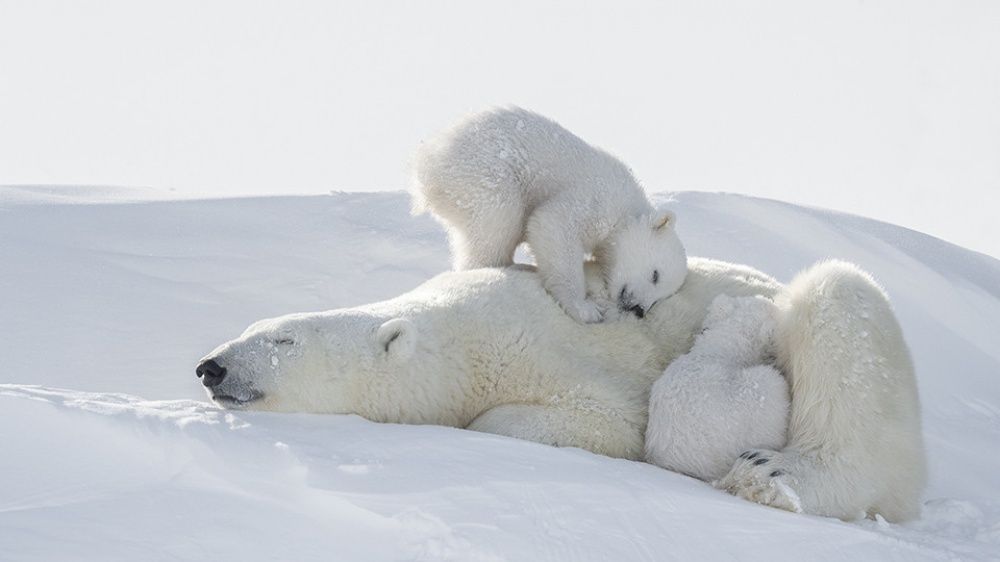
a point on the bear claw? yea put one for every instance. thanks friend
(748, 479)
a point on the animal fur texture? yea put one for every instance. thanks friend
(723, 396)
(505, 176)
(489, 350)
(855, 445)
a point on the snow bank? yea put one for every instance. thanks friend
(118, 297)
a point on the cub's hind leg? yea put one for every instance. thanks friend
(488, 237)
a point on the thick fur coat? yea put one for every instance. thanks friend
(507, 175)
(722, 397)
(489, 350)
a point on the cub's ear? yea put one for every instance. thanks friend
(664, 221)
(397, 338)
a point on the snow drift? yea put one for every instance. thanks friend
(110, 451)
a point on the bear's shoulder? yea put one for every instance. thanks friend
(674, 321)
(716, 276)
(708, 278)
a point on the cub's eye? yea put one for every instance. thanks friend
(656, 276)
(284, 341)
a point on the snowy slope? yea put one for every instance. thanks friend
(110, 451)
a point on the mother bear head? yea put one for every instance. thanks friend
(317, 362)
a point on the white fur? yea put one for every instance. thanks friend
(855, 446)
(507, 175)
(489, 350)
(721, 398)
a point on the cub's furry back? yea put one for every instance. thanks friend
(507, 175)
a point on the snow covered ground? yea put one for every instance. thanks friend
(111, 452)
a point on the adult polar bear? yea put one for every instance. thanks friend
(491, 351)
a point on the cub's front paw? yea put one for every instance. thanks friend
(763, 477)
(584, 311)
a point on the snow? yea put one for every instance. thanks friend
(111, 451)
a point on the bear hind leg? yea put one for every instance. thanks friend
(854, 440)
(490, 238)
(765, 477)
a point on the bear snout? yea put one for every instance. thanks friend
(210, 373)
(626, 303)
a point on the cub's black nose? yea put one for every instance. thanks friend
(210, 373)
(626, 303)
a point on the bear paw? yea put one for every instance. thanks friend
(763, 477)
(584, 311)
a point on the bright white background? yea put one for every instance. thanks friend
(885, 109)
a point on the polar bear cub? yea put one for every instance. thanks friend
(722, 397)
(507, 175)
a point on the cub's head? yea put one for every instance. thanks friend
(320, 363)
(644, 262)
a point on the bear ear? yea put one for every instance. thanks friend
(664, 221)
(397, 338)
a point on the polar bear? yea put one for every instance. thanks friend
(722, 397)
(855, 445)
(508, 175)
(489, 350)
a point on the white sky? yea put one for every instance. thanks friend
(884, 109)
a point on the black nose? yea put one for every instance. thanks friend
(210, 372)
(626, 303)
